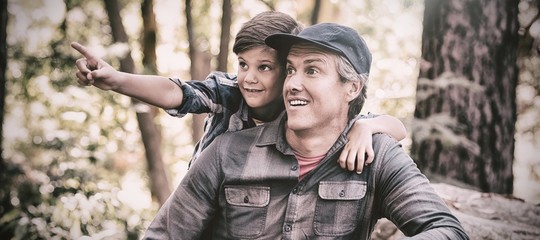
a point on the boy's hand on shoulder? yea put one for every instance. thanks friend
(358, 151)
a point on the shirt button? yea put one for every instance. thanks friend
(294, 168)
(246, 199)
(342, 193)
(295, 190)
(288, 228)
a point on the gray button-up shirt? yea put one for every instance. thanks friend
(245, 186)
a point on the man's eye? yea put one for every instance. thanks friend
(290, 71)
(311, 71)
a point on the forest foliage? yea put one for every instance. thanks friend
(74, 161)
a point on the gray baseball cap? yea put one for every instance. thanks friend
(338, 38)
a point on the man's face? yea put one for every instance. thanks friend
(315, 98)
(259, 79)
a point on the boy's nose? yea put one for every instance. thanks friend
(251, 77)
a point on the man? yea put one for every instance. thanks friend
(280, 180)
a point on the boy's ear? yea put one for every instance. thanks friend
(354, 89)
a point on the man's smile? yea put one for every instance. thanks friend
(298, 102)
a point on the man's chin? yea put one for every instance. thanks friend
(296, 125)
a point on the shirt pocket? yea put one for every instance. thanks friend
(246, 210)
(337, 209)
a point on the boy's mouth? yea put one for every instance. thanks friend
(251, 90)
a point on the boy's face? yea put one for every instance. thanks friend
(259, 80)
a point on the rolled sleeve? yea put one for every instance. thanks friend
(191, 102)
(208, 96)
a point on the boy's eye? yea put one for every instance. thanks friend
(265, 68)
(242, 65)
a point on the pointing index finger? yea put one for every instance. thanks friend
(83, 50)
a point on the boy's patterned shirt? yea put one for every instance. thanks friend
(219, 96)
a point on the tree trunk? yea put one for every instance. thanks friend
(466, 93)
(226, 21)
(316, 12)
(199, 69)
(150, 132)
(149, 37)
(3, 64)
(155, 164)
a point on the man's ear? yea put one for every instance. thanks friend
(354, 89)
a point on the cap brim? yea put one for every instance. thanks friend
(282, 42)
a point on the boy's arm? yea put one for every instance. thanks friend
(219, 91)
(359, 149)
(383, 124)
(154, 90)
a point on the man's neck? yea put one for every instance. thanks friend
(310, 143)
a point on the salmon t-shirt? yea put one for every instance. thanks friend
(306, 164)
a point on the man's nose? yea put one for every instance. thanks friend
(293, 83)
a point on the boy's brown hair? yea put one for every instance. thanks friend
(254, 31)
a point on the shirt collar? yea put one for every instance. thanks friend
(244, 111)
(273, 133)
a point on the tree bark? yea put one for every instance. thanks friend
(466, 93)
(226, 21)
(155, 164)
(150, 131)
(3, 65)
(199, 69)
(316, 12)
(149, 37)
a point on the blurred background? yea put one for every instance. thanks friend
(78, 162)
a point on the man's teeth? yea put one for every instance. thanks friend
(298, 102)
(253, 90)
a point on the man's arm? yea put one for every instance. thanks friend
(407, 199)
(188, 211)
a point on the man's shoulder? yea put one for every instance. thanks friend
(389, 153)
(383, 142)
(235, 143)
(262, 135)
(246, 132)
(383, 138)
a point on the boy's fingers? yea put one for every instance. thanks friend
(360, 158)
(342, 160)
(82, 65)
(351, 157)
(83, 50)
(369, 156)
